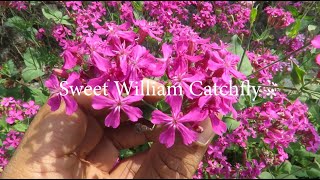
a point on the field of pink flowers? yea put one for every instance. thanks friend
(271, 44)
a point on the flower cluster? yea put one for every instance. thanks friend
(278, 17)
(9, 144)
(233, 17)
(292, 44)
(115, 53)
(260, 60)
(19, 5)
(276, 123)
(16, 110)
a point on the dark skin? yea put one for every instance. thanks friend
(80, 146)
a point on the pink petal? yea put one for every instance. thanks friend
(203, 100)
(131, 99)
(113, 90)
(316, 41)
(195, 115)
(237, 74)
(100, 62)
(318, 59)
(218, 126)
(159, 117)
(71, 104)
(100, 102)
(73, 79)
(69, 60)
(167, 51)
(54, 102)
(188, 136)
(99, 80)
(113, 118)
(138, 51)
(133, 113)
(123, 64)
(168, 137)
(175, 103)
(213, 66)
(196, 77)
(52, 83)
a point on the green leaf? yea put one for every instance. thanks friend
(51, 13)
(286, 176)
(265, 34)
(293, 10)
(3, 124)
(299, 171)
(137, 9)
(28, 74)
(56, 15)
(232, 124)
(246, 67)
(9, 69)
(294, 30)
(16, 22)
(286, 167)
(253, 15)
(33, 68)
(38, 96)
(297, 75)
(313, 173)
(266, 175)
(21, 127)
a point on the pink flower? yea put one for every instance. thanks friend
(143, 64)
(54, 86)
(74, 4)
(180, 77)
(12, 140)
(148, 28)
(176, 122)
(14, 115)
(316, 42)
(18, 5)
(31, 108)
(40, 33)
(6, 101)
(115, 103)
(225, 66)
(318, 59)
(278, 17)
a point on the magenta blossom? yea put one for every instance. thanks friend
(31, 108)
(6, 101)
(14, 115)
(148, 28)
(40, 33)
(225, 66)
(176, 122)
(57, 93)
(316, 42)
(115, 103)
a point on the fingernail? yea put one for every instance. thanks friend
(205, 137)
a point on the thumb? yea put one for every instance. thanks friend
(179, 161)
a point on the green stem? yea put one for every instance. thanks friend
(149, 105)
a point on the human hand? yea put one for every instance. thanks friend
(80, 146)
